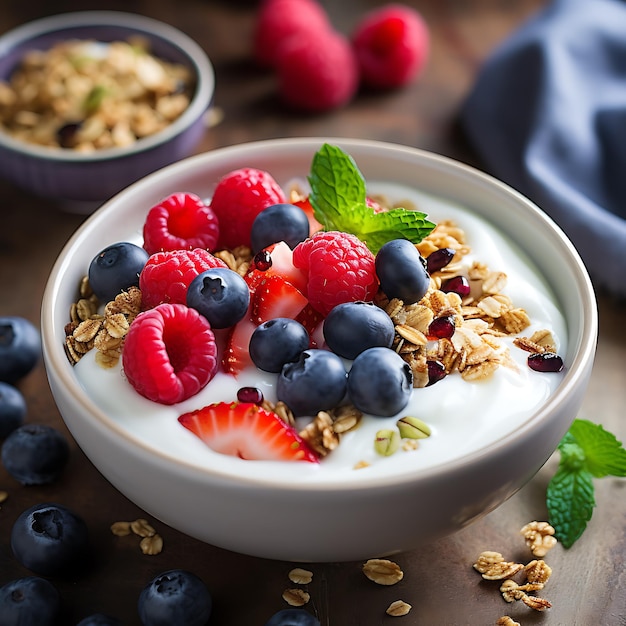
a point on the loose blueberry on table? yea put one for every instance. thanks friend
(50, 540)
(20, 348)
(175, 597)
(35, 454)
(12, 409)
(30, 600)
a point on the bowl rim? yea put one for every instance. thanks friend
(55, 358)
(198, 59)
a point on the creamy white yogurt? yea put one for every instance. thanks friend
(464, 416)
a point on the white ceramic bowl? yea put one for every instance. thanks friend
(346, 520)
(80, 179)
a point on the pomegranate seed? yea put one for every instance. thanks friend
(442, 327)
(439, 259)
(250, 394)
(436, 372)
(545, 362)
(457, 284)
(262, 260)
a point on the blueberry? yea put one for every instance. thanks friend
(175, 597)
(29, 600)
(402, 271)
(315, 382)
(20, 348)
(352, 327)
(99, 619)
(50, 540)
(380, 382)
(279, 222)
(35, 454)
(116, 269)
(292, 617)
(220, 295)
(12, 409)
(276, 342)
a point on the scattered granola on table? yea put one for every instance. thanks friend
(493, 566)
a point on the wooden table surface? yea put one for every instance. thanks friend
(587, 586)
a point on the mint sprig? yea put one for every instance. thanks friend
(587, 451)
(339, 200)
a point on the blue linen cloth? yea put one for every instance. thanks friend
(547, 115)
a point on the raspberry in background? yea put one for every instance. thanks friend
(317, 72)
(339, 268)
(278, 20)
(169, 353)
(182, 221)
(166, 276)
(238, 198)
(391, 44)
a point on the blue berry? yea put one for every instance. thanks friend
(401, 271)
(99, 619)
(12, 409)
(175, 597)
(29, 600)
(116, 269)
(279, 222)
(276, 342)
(315, 382)
(220, 295)
(50, 540)
(352, 327)
(292, 617)
(20, 348)
(35, 454)
(380, 382)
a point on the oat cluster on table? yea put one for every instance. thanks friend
(492, 566)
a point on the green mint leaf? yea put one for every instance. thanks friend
(339, 201)
(570, 501)
(338, 194)
(604, 454)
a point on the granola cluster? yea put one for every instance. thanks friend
(87, 96)
(492, 565)
(475, 350)
(88, 329)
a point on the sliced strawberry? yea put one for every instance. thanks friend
(312, 321)
(246, 430)
(275, 297)
(314, 225)
(282, 265)
(236, 356)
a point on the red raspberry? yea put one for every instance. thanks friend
(238, 198)
(278, 20)
(391, 44)
(317, 72)
(166, 276)
(169, 353)
(180, 222)
(339, 268)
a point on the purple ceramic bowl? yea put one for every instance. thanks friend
(92, 178)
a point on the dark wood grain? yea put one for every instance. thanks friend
(588, 580)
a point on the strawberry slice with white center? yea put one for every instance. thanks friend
(281, 265)
(247, 431)
(312, 320)
(236, 357)
(276, 297)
